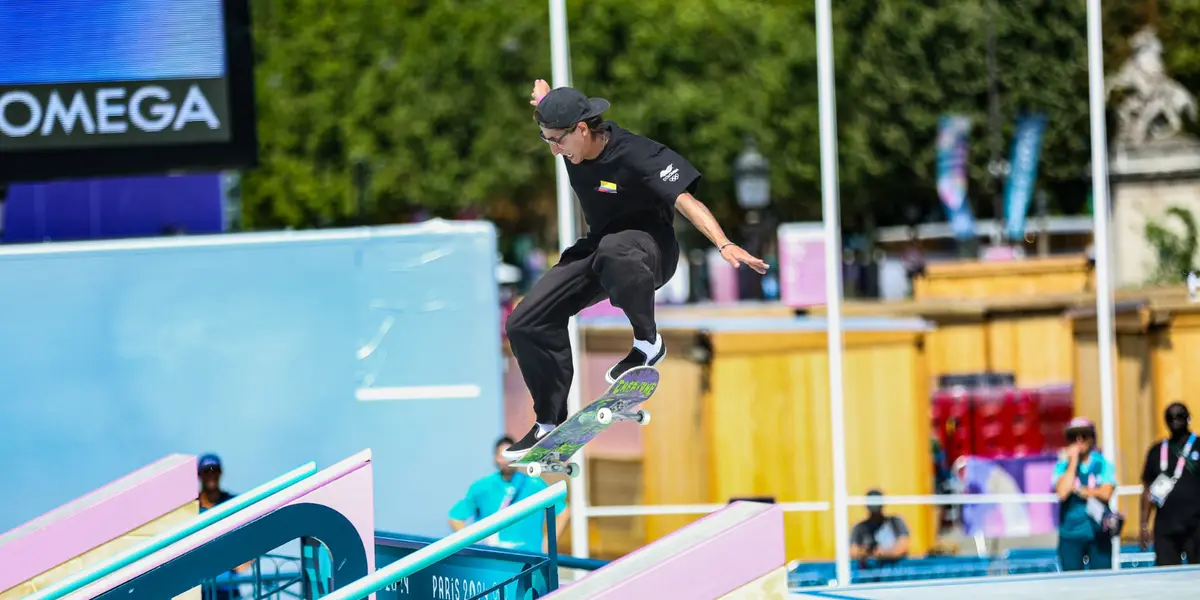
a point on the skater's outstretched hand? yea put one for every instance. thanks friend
(736, 256)
(540, 88)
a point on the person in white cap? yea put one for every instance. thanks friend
(1084, 481)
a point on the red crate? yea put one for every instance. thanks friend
(1026, 422)
(993, 418)
(1057, 407)
(951, 410)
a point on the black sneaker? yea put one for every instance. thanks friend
(518, 450)
(635, 358)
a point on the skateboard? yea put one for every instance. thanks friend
(551, 453)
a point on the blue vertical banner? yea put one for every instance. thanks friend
(1026, 150)
(952, 173)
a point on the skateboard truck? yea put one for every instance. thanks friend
(536, 469)
(551, 463)
(605, 416)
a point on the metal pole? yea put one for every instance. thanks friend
(561, 75)
(551, 550)
(833, 283)
(994, 124)
(1102, 244)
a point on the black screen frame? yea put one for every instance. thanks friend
(240, 152)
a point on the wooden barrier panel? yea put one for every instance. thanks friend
(1026, 336)
(992, 279)
(1175, 351)
(768, 416)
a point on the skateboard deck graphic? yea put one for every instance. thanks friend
(552, 452)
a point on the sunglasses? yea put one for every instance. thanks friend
(558, 140)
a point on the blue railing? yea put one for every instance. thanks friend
(455, 542)
(1015, 562)
(272, 577)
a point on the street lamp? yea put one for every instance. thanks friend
(753, 178)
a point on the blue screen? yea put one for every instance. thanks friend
(76, 41)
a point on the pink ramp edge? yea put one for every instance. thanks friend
(96, 518)
(710, 568)
(345, 487)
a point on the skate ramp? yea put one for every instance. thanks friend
(334, 506)
(191, 525)
(734, 553)
(98, 525)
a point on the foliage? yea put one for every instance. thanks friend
(432, 95)
(1175, 253)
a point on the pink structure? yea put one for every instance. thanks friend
(345, 487)
(707, 559)
(96, 518)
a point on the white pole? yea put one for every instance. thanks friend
(561, 75)
(833, 284)
(1102, 245)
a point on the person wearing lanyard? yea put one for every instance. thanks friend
(499, 490)
(1171, 490)
(1083, 479)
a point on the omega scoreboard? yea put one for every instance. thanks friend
(121, 87)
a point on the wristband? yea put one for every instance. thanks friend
(722, 246)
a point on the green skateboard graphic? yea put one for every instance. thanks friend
(551, 453)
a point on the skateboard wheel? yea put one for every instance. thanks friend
(604, 416)
(534, 470)
(643, 417)
(572, 470)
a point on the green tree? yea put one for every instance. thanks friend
(427, 94)
(433, 96)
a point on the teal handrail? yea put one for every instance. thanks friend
(450, 544)
(121, 560)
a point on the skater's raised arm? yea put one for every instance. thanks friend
(699, 215)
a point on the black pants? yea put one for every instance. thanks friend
(626, 267)
(1168, 547)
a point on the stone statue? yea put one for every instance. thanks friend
(1155, 104)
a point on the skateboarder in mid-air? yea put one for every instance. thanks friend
(629, 187)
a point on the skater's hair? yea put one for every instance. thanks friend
(505, 441)
(596, 124)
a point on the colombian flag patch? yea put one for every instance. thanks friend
(607, 187)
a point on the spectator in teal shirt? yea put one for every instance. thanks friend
(499, 490)
(1084, 482)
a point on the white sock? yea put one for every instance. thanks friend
(650, 349)
(543, 429)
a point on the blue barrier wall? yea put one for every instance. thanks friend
(268, 349)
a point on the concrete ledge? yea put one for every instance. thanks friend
(96, 518)
(345, 486)
(772, 586)
(710, 558)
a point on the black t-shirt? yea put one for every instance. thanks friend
(222, 496)
(1181, 511)
(632, 184)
